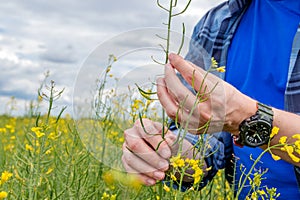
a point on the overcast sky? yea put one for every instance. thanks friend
(58, 35)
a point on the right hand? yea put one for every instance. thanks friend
(217, 106)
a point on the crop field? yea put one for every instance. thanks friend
(43, 157)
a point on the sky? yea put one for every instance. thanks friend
(58, 36)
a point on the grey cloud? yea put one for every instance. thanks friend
(19, 94)
(41, 35)
(58, 54)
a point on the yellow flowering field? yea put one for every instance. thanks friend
(44, 157)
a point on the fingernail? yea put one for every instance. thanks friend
(158, 175)
(171, 56)
(150, 182)
(168, 65)
(165, 153)
(163, 164)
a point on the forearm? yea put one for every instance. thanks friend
(289, 125)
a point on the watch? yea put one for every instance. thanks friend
(255, 131)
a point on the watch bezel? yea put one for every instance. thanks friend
(253, 137)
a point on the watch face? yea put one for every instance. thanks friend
(257, 133)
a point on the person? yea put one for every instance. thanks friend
(259, 43)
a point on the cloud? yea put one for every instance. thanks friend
(38, 35)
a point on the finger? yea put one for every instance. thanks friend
(152, 134)
(172, 141)
(174, 84)
(192, 74)
(173, 110)
(145, 152)
(182, 115)
(134, 164)
(166, 100)
(169, 140)
(179, 92)
(146, 180)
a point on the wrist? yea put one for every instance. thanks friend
(242, 108)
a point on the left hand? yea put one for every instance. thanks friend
(216, 102)
(147, 154)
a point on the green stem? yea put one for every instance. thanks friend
(252, 168)
(169, 31)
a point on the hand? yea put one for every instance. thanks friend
(139, 154)
(216, 102)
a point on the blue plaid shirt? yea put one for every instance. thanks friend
(213, 35)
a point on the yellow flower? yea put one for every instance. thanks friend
(289, 149)
(209, 168)
(8, 126)
(274, 132)
(173, 177)
(177, 161)
(221, 69)
(254, 196)
(197, 175)
(294, 158)
(275, 157)
(129, 180)
(166, 188)
(3, 195)
(121, 140)
(5, 176)
(214, 63)
(257, 179)
(39, 134)
(192, 162)
(49, 171)
(261, 192)
(296, 136)
(52, 136)
(105, 195)
(113, 197)
(49, 151)
(282, 140)
(28, 147)
(136, 104)
(108, 178)
(297, 144)
(37, 131)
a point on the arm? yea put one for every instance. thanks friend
(225, 106)
(289, 125)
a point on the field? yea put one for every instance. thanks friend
(44, 157)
